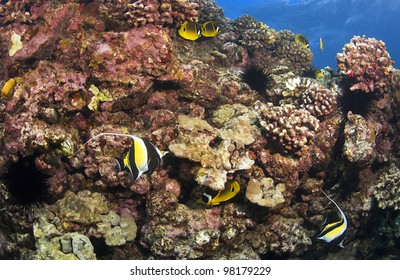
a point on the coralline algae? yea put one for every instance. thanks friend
(74, 69)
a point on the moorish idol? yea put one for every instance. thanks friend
(334, 231)
(141, 157)
(232, 187)
(208, 29)
(302, 40)
(189, 31)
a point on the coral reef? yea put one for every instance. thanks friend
(264, 192)
(239, 106)
(281, 236)
(307, 94)
(289, 128)
(180, 232)
(292, 53)
(386, 191)
(368, 62)
(194, 139)
(359, 143)
(63, 229)
(254, 34)
(165, 13)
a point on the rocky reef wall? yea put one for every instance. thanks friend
(74, 69)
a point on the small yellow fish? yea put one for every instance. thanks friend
(321, 44)
(319, 74)
(208, 29)
(232, 188)
(8, 89)
(334, 231)
(189, 31)
(299, 38)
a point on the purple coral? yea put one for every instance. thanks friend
(367, 60)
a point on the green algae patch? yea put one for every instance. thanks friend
(98, 97)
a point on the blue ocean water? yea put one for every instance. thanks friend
(336, 21)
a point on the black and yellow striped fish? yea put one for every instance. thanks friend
(142, 156)
(334, 231)
(209, 29)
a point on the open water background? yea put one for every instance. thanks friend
(336, 21)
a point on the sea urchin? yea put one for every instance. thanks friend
(26, 185)
(358, 102)
(257, 78)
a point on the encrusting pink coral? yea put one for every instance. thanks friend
(167, 12)
(118, 66)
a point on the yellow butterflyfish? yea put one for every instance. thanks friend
(189, 31)
(209, 29)
(232, 188)
(301, 39)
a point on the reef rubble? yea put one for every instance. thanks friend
(74, 69)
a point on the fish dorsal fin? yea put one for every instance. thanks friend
(133, 137)
(337, 206)
(334, 231)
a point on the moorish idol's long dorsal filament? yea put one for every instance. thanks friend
(142, 156)
(334, 231)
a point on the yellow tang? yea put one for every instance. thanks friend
(208, 29)
(321, 44)
(299, 38)
(189, 31)
(232, 188)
